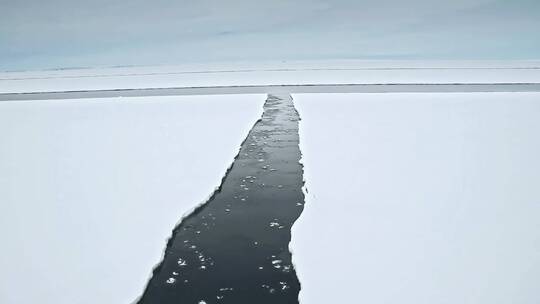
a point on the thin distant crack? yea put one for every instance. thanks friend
(263, 70)
(449, 87)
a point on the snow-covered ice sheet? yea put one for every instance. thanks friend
(273, 73)
(90, 190)
(419, 198)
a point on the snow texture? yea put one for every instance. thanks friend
(90, 190)
(273, 73)
(419, 198)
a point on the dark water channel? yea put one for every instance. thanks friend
(234, 249)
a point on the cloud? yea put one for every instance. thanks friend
(59, 33)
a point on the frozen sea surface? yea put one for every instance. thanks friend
(273, 73)
(90, 189)
(419, 198)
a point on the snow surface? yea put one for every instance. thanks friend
(273, 73)
(419, 198)
(90, 190)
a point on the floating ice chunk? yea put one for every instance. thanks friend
(276, 264)
(201, 257)
(274, 224)
(227, 210)
(181, 262)
(175, 273)
(170, 280)
(202, 302)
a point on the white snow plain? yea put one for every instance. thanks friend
(90, 190)
(273, 73)
(419, 198)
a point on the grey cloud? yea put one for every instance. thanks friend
(60, 33)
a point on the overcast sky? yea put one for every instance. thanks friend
(36, 34)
